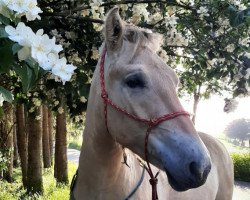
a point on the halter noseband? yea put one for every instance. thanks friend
(151, 123)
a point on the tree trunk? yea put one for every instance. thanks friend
(6, 142)
(46, 145)
(16, 155)
(22, 141)
(61, 164)
(50, 129)
(195, 105)
(34, 173)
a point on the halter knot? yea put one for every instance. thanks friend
(104, 96)
(153, 181)
(152, 122)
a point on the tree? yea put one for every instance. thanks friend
(46, 137)
(51, 136)
(61, 164)
(22, 142)
(34, 173)
(6, 142)
(239, 129)
(15, 154)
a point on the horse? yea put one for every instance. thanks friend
(134, 111)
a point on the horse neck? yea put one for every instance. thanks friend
(101, 171)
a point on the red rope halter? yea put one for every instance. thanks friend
(151, 123)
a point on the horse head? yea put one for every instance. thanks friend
(138, 81)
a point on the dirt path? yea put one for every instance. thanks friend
(241, 189)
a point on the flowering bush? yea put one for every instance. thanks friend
(32, 48)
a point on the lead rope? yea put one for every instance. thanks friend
(153, 179)
(151, 123)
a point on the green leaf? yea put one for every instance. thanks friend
(15, 48)
(6, 94)
(6, 58)
(25, 73)
(3, 33)
(4, 20)
(84, 89)
(1, 113)
(237, 18)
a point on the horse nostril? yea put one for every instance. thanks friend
(196, 170)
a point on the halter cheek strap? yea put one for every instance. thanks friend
(151, 123)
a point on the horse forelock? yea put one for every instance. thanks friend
(143, 37)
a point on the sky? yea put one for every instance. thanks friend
(212, 119)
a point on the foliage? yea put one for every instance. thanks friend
(239, 129)
(13, 191)
(3, 161)
(75, 144)
(241, 166)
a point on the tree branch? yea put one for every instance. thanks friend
(85, 19)
(84, 7)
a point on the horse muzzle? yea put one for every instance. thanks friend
(183, 157)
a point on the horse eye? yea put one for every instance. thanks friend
(135, 81)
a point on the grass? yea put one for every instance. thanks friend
(52, 191)
(232, 148)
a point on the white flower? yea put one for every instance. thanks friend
(21, 34)
(83, 99)
(36, 102)
(48, 63)
(95, 54)
(63, 70)
(60, 110)
(85, 13)
(171, 20)
(32, 10)
(98, 27)
(140, 10)
(56, 103)
(203, 11)
(230, 48)
(31, 110)
(38, 117)
(211, 63)
(1, 100)
(28, 8)
(41, 47)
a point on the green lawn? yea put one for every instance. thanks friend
(14, 191)
(232, 148)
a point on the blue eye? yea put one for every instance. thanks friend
(135, 81)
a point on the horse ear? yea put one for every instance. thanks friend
(113, 30)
